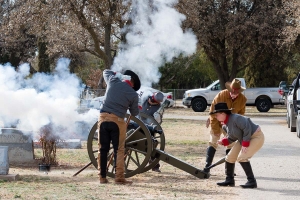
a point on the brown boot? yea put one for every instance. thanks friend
(103, 181)
(122, 181)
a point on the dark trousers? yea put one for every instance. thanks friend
(109, 131)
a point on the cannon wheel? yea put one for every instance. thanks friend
(160, 138)
(138, 149)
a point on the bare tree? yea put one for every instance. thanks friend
(235, 33)
(17, 44)
(69, 27)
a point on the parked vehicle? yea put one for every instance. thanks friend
(284, 90)
(292, 108)
(143, 93)
(263, 98)
(95, 103)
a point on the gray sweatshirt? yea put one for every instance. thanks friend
(149, 109)
(239, 128)
(119, 96)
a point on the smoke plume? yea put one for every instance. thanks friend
(29, 103)
(153, 37)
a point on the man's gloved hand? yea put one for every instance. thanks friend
(220, 142)
(126, 77)
(207, 122)
(122, 76)
(217, 134)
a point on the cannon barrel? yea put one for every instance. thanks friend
(180, 164)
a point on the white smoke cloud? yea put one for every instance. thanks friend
(154, 38)
(30, 103)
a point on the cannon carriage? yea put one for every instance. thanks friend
(144, 148)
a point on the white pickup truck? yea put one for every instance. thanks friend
(263, 98)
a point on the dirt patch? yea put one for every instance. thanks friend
(185, 139)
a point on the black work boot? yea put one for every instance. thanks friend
(227, 151)
(210, 153)
(229, 181)
(156, 168)
(251, 183)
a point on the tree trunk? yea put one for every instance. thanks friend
(44, 64)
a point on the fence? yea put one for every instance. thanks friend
(88, 94)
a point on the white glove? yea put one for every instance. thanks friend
(122, 76)
(126, 77)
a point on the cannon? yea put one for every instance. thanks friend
(141, 146)
(144, 148)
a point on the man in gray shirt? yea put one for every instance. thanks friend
(149, 107)
(120, 96)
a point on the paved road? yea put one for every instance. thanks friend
(277, 164)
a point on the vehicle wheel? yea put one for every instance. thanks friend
(199, 105)
(263, 105)
(138, 149)
(288, 120)
(292, 128)
(297, 128)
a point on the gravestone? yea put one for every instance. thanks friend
(4, 165)
(20, 145)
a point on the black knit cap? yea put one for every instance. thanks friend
(136, 79)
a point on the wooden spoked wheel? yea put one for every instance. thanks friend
(138, 149)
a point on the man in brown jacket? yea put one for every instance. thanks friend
(236, 101)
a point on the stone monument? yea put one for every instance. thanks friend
(4, 164)
(20, 145)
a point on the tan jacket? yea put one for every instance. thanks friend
(238, 106)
